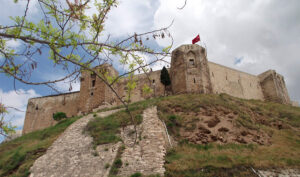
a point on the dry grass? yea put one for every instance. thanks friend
(215, 159)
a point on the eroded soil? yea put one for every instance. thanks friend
(218, 124)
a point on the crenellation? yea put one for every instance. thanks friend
(190, 72)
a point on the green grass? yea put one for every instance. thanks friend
(231, 159)
(18, 155)
(117, 162)
(106, 130)
(214, 159)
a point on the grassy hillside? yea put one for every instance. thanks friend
(217, 135)
(280, 124)
(18, 155)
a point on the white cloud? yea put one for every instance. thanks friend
(130, 16)
(65, 86)
(9, 8)
(13, 44)
(265, 33)
(62, 86)
(16, 99)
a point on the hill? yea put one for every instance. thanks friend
(18, 155)
(211, 135)
(217, 135)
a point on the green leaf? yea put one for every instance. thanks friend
(166, 50)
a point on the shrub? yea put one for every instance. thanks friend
(95, 153)
(107, 166)
(118, 163)
(59, 116)
(137, 174)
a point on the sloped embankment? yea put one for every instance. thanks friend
(18, 155)
(216, 135)
(219, 135)
(143, 149)
(72, 154)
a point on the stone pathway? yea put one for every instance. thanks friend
(279, 173)
(146, 157)
(72, 155)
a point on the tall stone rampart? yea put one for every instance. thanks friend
(39, 113)
(235, 83)
(151, 80)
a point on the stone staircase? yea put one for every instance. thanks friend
(147, 156)
(72, 155)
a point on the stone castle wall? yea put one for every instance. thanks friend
(234, 82)
(152, 80)
(39, 113)
(273, 87)
(93, 91)
(190, 72)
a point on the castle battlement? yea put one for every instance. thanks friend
(190, 72)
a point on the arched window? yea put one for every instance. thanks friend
(192, 62)
(191, 59)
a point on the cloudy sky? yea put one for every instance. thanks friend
(248, 35)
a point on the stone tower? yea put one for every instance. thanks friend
(273, 87)
(93, 91)
(189, 70)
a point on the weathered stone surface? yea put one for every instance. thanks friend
(39, 113)
(72, 154)
(147, 156)
(235, 83)
(273, 87)
(189, 70)
(279, 173)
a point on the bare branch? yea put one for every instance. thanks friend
(180, 8)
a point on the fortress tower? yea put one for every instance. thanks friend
(189, 70)
(93, 91)
(273, 87)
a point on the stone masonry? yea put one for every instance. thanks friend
(72, 154)
(190, 72)
(147, 156)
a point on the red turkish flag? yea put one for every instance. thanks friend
(196, 39)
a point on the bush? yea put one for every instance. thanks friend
(118, 163)
(107, 166)
(59, 116)
(137, 174)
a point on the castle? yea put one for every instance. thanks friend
(190, 72)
